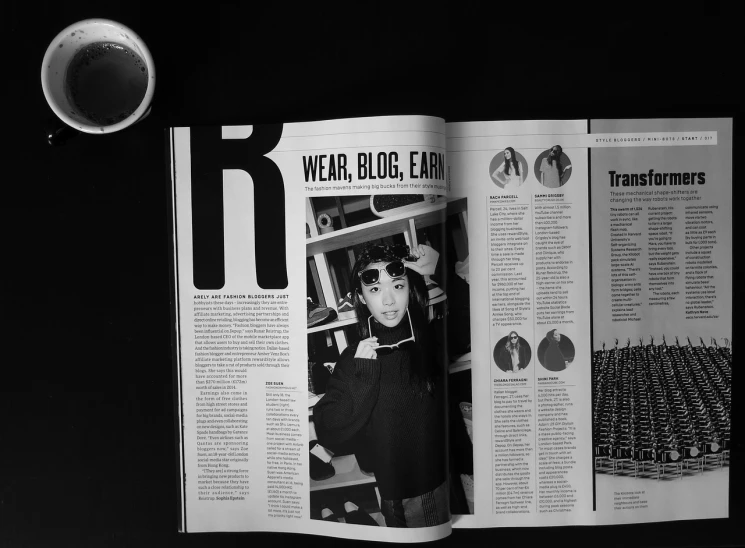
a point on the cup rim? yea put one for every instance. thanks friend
(92, 128)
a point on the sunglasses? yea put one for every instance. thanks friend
(513, 338)
(394, 269)
(385, 349)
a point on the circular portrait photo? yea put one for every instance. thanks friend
(555, 351)
(553, 168)
(508, 169)
(512, 353)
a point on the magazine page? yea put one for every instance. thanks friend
(310, 266)
(662, 318)
(527, 191)
(602, 319)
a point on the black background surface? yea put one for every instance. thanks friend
(87, 440)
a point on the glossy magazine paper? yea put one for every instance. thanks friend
(385, 328)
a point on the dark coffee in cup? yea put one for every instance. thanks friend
(106, 82)
(98, 76)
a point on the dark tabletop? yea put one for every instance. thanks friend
(87, 439)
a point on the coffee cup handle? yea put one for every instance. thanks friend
(58, 133)
(145, 114)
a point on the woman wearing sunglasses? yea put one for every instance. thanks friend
(513, 356)
(387, 392)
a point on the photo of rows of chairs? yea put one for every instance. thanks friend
(662, 411)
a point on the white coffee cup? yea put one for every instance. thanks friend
(62, 50)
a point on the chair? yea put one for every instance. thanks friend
(642, 457)
(725, 451)
(603, 462)
(619, 455)
(712, 456)
(692, 454)
(668, 458)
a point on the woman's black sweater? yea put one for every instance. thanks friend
(404, 426)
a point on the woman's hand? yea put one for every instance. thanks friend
(426, 260)
(366, 349)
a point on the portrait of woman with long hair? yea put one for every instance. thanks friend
(510, 174)
(512, 356)
(553, 171)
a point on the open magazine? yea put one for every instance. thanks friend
(389, 327)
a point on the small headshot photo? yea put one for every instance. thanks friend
(508, 169)
(553, 168)
(512, 353)
(555, 351)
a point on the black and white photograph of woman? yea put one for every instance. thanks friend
(512, 353)
(553, 168)
(389, 388)
(556, 351)
(508, 169)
